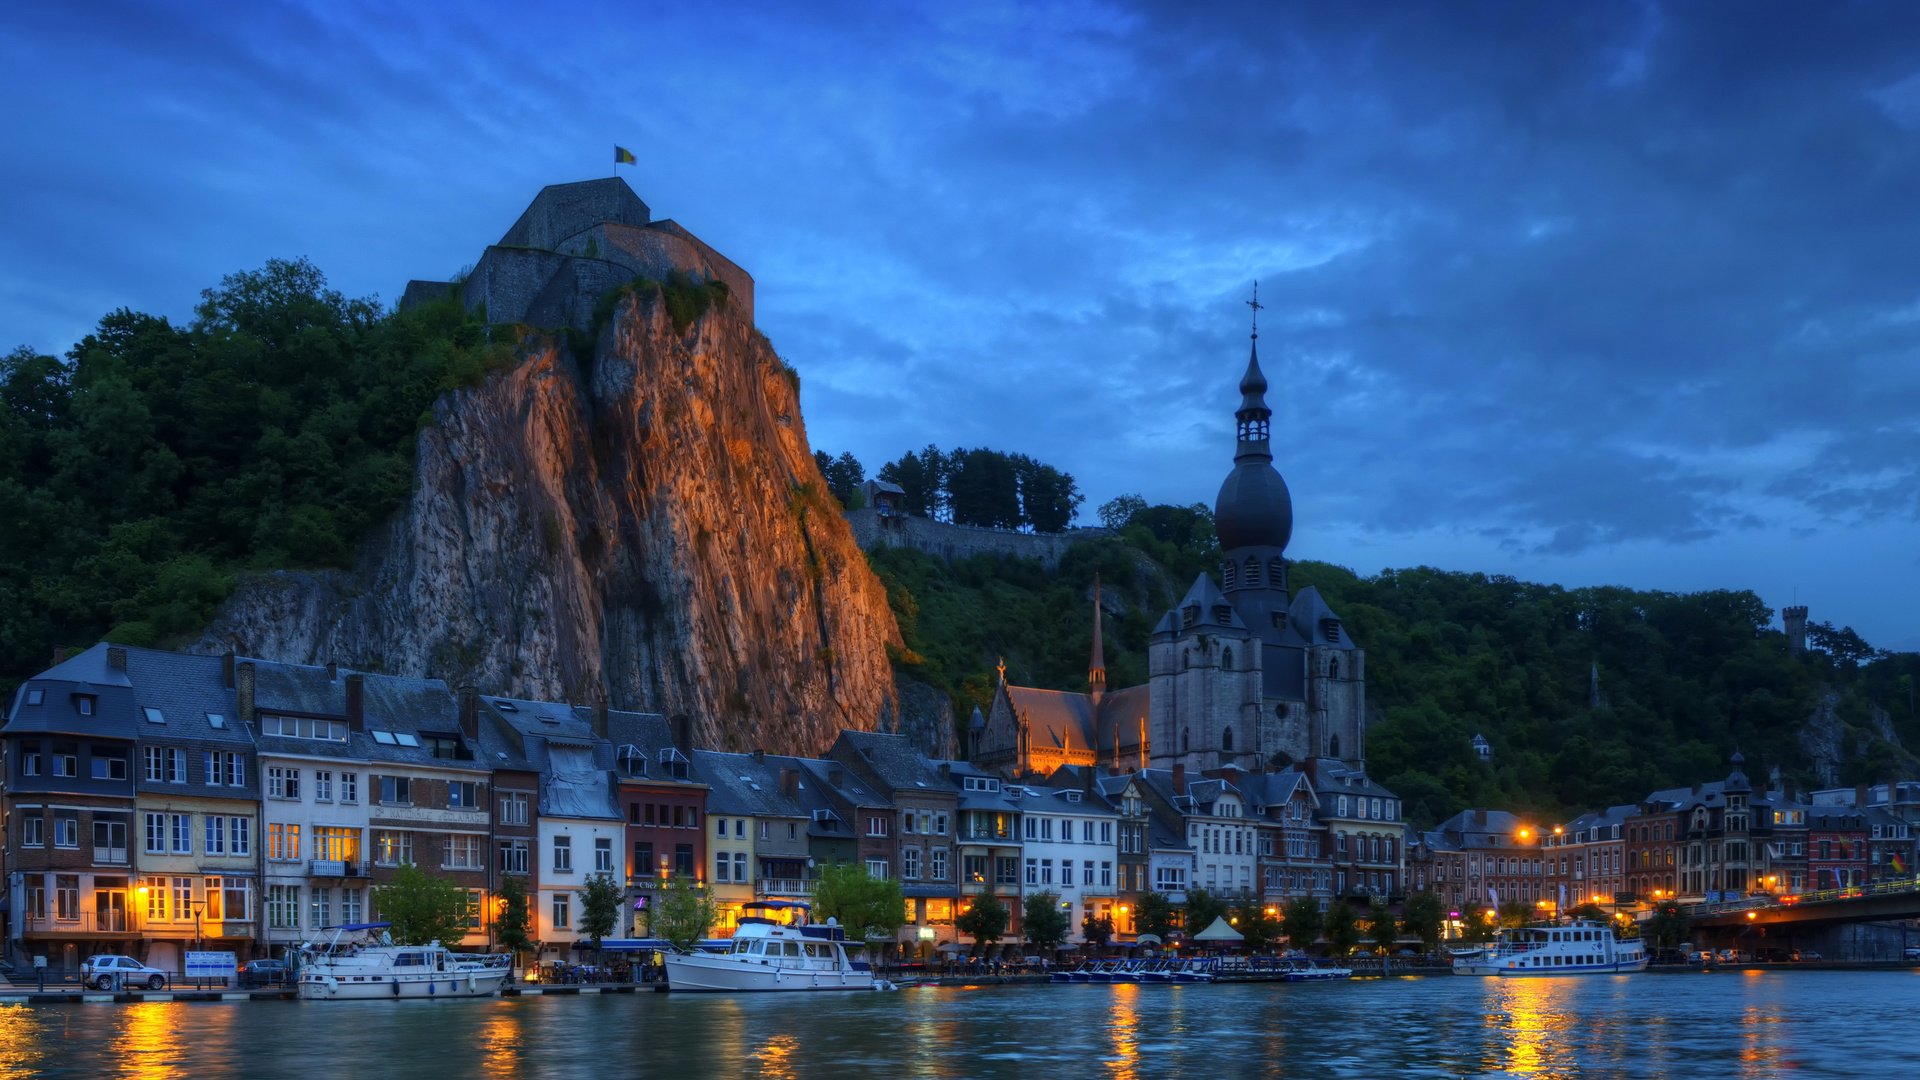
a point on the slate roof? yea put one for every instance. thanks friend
(586, 789)
(185, 687)
(1466, 829)
(955, 774)
(1331, 778)
(114, 712)
(392, 703)
(1270, 789)
(895, 760)
(1055, 718)
(743, 785)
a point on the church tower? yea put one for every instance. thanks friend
(1097, 664)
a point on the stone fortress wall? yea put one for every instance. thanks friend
(572, 245)
(944, 540)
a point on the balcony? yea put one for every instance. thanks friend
(336, 868)
(86, 922)
(766, 887)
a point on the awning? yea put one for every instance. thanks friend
(1219, 931)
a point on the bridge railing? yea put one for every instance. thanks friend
(1886, 887)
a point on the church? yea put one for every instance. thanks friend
(1242, 672)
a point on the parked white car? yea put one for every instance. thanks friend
(100, 971)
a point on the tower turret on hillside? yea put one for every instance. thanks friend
(1795, 620)
(573, 244)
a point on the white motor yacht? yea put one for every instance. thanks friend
(775, 948)
(370, 965)
(1579, 947)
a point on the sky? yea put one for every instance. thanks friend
(1588, 293)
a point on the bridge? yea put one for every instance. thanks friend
(1878, 902)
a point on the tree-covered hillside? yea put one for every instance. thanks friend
(1683, 679)
(155, 462)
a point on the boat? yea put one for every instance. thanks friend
(370, 965)
(776, 948)
(1578, 947)
(1194, 971)
(1303, 969)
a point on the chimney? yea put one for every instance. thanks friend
(333, 671)
(682, 726)
(357, 701)
(1180, 778)
(1696, 788)
(1231, 774)
(1480, 818)
(759, 756)
(243, 690)
(117, 657)
(789, 781)
(600, 716)
(1859, 790)
(470, 712)
(226, 671)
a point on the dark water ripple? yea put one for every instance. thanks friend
(1801, 1024)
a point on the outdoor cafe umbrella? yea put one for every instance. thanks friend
(1147, 939)
(1219, 931)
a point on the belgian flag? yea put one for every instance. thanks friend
(623, 156)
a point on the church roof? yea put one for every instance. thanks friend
(1121, 712)
(1308, 617)
(1206, 596)
(1055, 718)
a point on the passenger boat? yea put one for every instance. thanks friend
(1301, 969)
(372, 966)
(775, 948)
(1580, 947)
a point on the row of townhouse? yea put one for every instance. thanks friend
(1709, 842)
(153, 801)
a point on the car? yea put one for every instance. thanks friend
(1809, 954)
(1911, 952)
(101, 970)
(256, 973)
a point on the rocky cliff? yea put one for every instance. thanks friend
(646, 524)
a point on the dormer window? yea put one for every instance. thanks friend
(506, 706)
(1222, 614)
(1279, 620)
(83, 704)
(153, 715)
(35, 697)
(1189, 615)
(1330, 628)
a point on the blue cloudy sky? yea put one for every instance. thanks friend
(1578, 292)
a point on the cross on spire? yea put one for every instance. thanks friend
(1256, 305)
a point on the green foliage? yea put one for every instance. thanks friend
(422, 907)
(159, 463)
(985, 921)
(513, 928)
(1257, 928)
(988, 488)
(866, 906)
(1423, 915)
(1097, 929)
(1667, 926)
(682, 913)
(844, 475)
(1382, 928)
(1118, 511)
(1514, 914)
(1043, 921)
(1302, 921)
(687, 299)
(600, 902)
(1154, 915)
(1342, 932)
(1202, 908)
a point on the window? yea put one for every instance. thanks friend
(910, 863)
(304, 727)
(29, 759)
(153, 715)
(351, 906)
(180, 829)
(35, 697)
(323, 785)
(283, 842)
(463, 795)
(876, 825)
(321, 900)
(240, 837)
(283, 782)
(350, 787)
(463, 852)
(392, 847)
(216, 720)
(83, 703)
(938, 871)
(876, 868)
(337, 843)
(602, 855)
(720, 827)
(183, 897)
(66, 831)
(157, 910)
(216, 835)
(66, 897)
(154, 759)
(940, 824)
(973, 866)
(396, 791)
(66, 760)
(739, 864)
(156, 834)
(1033, 871)
(226, 768)
(229, 899)
(563, 854)
(1106, 875)
(513, 856)
(513, 808)
(722, 862)
(1006, 870)
(283, 907)
(562, 910)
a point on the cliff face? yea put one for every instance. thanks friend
(649, 525)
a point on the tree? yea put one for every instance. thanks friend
(1422, 915)
(867, 907)
(1154, 915)
(1479, 923)
(1382, 928)
(1342, 932)
(1117, 513)
(516, 916)
(1202, 908)
(1257, 928)
(682, 913)
(1302, 920)
(422, 907)
(600, 904)
(1588, 910)
(985, 920)
(1513, 914)
(1043, 920)
(1667, 927)
(1098, 930)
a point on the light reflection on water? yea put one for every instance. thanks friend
(1786, 1023)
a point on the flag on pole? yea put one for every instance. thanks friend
(623, 156)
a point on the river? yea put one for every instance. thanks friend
(1752, 1024)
